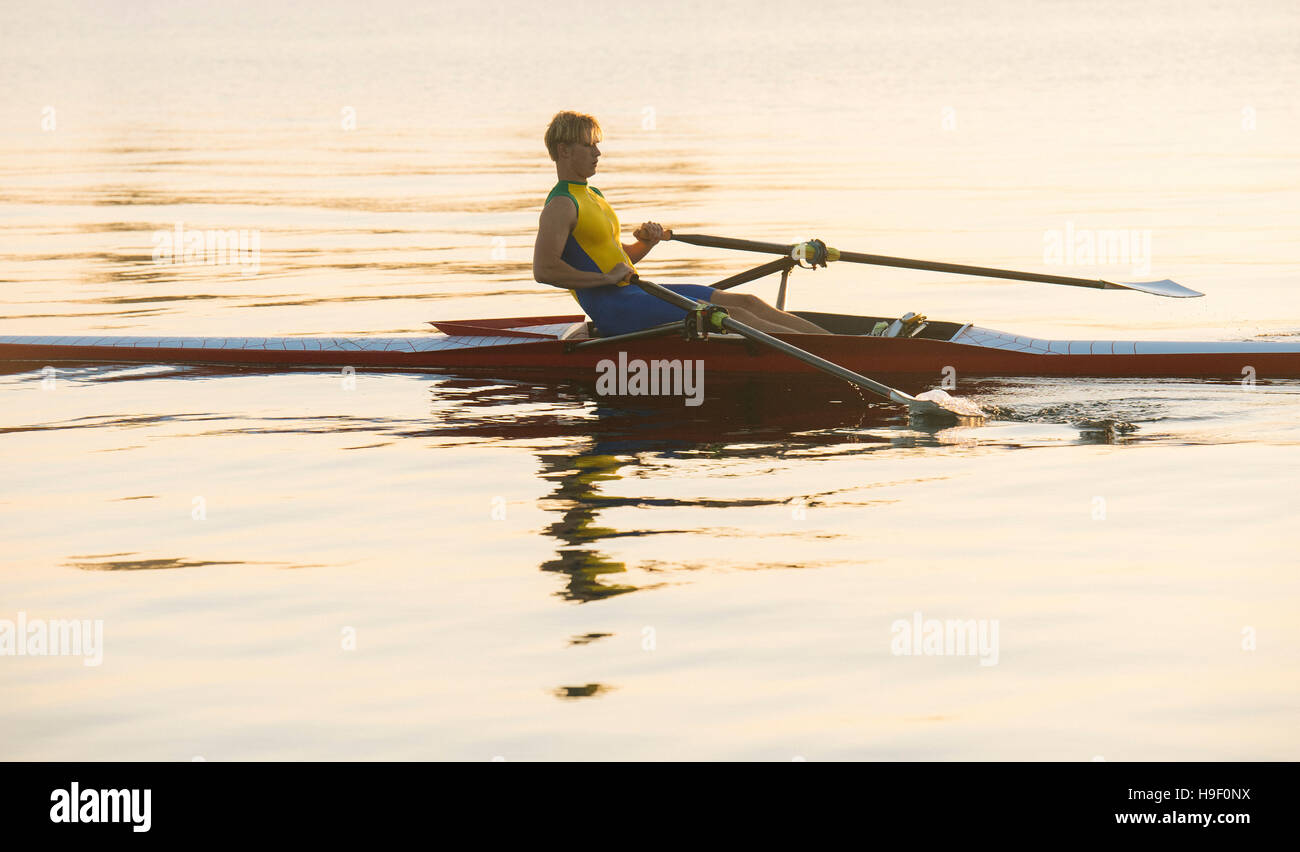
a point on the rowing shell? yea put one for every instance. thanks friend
(546, 343)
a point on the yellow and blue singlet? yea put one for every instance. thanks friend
(594, 245)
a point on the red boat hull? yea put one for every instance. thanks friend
(530, 345)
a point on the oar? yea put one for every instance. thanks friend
(809, 252)
(934, 402)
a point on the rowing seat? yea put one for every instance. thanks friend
(577, 331)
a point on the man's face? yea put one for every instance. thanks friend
(583, 157)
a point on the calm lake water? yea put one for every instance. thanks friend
(439, 567)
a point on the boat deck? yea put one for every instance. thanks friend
(414, 343)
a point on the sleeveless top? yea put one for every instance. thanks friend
(593, 244)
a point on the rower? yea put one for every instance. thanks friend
(579, 248)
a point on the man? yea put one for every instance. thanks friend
(579, 248)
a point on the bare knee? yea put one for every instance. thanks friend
(753, 320)
(740, 301)
(738, 313)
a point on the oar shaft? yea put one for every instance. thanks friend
(731, 243)
(964, 269)
(1162, 288)
(687, 303)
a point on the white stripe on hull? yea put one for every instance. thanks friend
(426, 343)
(990, 339)
(967, 336)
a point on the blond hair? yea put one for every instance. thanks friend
(569, 128)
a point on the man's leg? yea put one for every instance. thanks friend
(763, 316)
(760, 323)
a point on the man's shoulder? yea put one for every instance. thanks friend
(561, 190)
(553, 208)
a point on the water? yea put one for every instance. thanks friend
(529, 570)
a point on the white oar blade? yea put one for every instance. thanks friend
(1157, 288)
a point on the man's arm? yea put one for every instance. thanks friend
(647, 237)
(558, 219)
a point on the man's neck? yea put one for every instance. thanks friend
(571, 177)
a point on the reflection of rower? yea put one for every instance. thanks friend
(584, 566)
(579, 248)
(583, 440)
(615, 437)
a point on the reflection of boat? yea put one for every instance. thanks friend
(738, 409)
(585, 442)
(555, 345)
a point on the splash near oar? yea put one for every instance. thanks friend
(957, 405)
